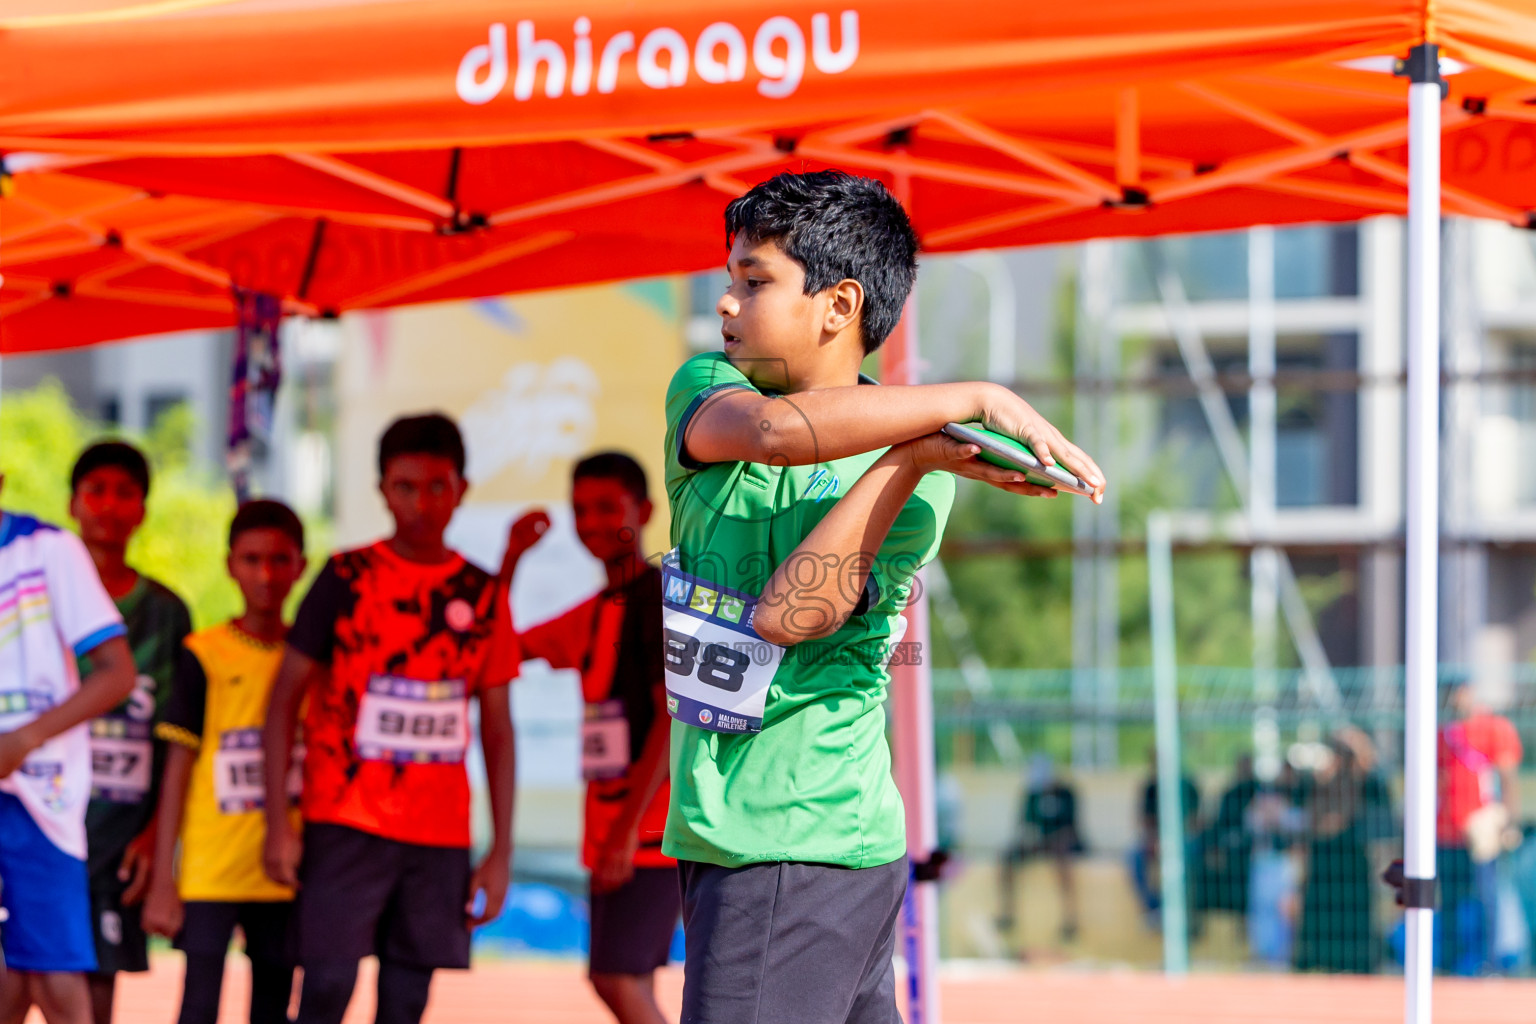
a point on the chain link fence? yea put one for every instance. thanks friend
(1292, 809)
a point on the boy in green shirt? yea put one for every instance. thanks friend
(108, 488)
(802, 506)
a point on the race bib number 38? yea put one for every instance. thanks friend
(718, 668)
(407, 720)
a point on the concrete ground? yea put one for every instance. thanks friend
(555, 992)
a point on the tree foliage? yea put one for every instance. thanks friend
(184, 538)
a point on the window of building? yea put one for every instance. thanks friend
(1185, 441)
(1317, 422)
(1506, 425)
(1317, 433)
(158, 403)
(1312, 261)
(1211, 267)
(1330, 585)
(1317, 261)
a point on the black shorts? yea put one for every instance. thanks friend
(208, 927)
(364, 895)
(121, 944)
(632, 926)
(791, 943)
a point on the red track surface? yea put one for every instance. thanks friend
(538, 992)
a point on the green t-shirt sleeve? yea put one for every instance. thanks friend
(912, 543)
(694, 382)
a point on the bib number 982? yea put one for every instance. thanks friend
(422, 725)
(715, 664)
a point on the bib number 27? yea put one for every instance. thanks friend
(715, 664)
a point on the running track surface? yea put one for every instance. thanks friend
(555, 992)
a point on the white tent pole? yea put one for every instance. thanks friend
(1423, 526)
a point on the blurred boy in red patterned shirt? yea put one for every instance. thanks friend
(389, 645)
(615, 639)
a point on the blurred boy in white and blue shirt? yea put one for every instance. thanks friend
(53, 609)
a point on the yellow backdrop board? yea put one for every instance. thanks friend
(535, 382)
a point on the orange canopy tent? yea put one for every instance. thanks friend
(345, 154)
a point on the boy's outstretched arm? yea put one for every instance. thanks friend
(844, 545)
(110, 682)
(740, 425)
(524, 534)
(295, 676)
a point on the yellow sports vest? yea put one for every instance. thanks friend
(223, 828)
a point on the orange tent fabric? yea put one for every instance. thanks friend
(348, 154)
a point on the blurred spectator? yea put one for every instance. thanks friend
(1047, 826)
(1346, 806)
(1273, 820)
(1479, 801)
(1146, 873)
(1224, 847)
(1522, 880)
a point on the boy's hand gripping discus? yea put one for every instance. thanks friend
(1002, 450)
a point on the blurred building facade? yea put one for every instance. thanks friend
(1294, 338)
(128, 386)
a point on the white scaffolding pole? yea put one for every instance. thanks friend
(1165, 705)
(1095, 586)
(1423, 527)
(1264, 601)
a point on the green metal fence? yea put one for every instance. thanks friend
(1292, 807)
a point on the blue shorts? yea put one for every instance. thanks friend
(46, 896)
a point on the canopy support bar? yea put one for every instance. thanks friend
(1423, 514)
(384, 186)
(1128, 139)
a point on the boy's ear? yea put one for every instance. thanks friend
(647, 507)
(143, 511)
(845, 307)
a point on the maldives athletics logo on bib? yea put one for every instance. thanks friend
(706, 716)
